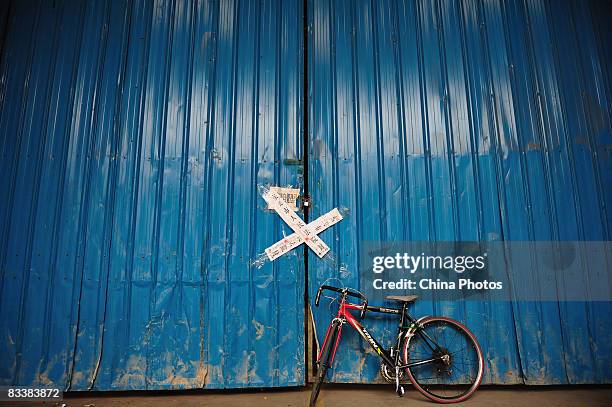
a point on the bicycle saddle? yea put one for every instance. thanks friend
(402, 298)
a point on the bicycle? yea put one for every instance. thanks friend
(424, 350)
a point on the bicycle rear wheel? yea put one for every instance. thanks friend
(458, 370)
(324, 363)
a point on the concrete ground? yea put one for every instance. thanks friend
(342, 395)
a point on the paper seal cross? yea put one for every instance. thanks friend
(304, 233)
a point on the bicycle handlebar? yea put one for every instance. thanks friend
(343, 291)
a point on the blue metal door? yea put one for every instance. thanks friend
(132, 137)
(450, 120)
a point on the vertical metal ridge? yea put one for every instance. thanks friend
(424, 122)
(493, 121)
(518, 116)
(231, 163)
(309, 353)
(380, 146)
(59, 201)
(159, 141)
(111, 185)
(12, 178)
(540, 132)
(562, 106)
(33, 205)
(356, 107)
(605, 63)
(471, 127)
(69, 349)
(84, 198)
(278, 146)
(568, 353)
(56, 214)
(137, 154)
(3, 35)
(448, 119)
(589, 128)
(253, 196)
(186, 148)
(402, 133)
(334, 91)
(204, 274)
(521, 146)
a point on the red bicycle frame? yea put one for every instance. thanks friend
(344, 316)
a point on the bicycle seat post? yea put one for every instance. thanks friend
(403, 316)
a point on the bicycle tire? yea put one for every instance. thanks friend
(324, 364)
(428, 389)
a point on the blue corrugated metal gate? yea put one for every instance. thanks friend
(466, 121)
(133, 134)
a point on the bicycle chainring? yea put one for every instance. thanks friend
(389, 374)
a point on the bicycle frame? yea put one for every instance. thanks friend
(344, 316)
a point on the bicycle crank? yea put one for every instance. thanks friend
(388, 374)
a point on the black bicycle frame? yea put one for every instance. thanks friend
(392, 361)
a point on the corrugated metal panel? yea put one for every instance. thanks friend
(467, 120)
(133, 134)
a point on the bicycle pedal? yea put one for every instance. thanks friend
(400, 391)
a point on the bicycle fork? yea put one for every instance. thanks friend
(334, 331)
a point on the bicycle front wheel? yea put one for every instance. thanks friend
(457, 367)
